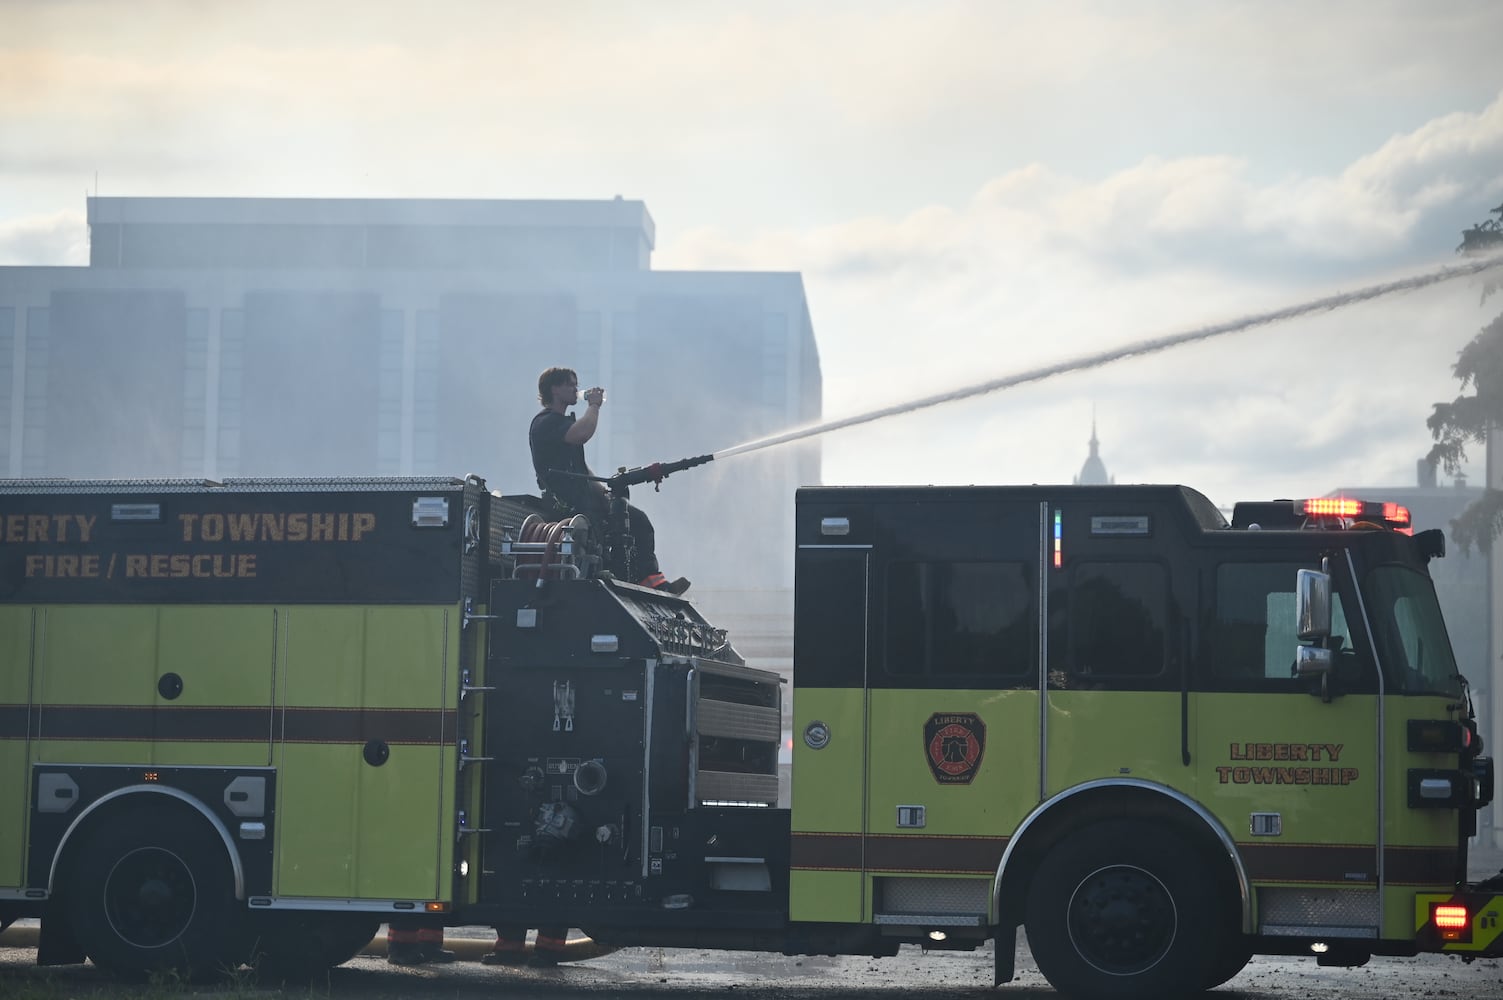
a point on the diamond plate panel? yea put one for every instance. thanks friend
(955, 896)
(1347, 913)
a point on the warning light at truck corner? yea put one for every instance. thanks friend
(1450, 918)
(954, 743)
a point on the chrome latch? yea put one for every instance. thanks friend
(465, 687)
(470, 616)
(465, 758)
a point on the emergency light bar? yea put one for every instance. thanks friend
(1390, 515)
(1322, 512)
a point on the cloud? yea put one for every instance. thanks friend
(968, 188)
(842, 96)
(1038, 267)
(60, 238)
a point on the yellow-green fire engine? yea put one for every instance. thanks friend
(249, 720)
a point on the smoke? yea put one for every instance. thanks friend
(1153, 345)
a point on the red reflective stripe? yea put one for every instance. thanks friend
(655, 580)
(401, 935)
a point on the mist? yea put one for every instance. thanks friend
(947, 196)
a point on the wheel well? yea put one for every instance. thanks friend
(167, 806)
(1084, 808)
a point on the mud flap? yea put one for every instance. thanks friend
(56, 944)
(1004, 952)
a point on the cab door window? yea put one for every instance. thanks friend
(959, 620)
(1110, 628)
(1250, 638)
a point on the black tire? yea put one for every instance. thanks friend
(154, 891)
(1123, 910)
(302, 947)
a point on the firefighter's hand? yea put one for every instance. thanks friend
(595, 396)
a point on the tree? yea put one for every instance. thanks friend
(1469, 418)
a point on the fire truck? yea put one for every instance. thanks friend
(247, 721)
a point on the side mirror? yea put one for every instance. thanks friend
(1312, 661)
(1312, 604)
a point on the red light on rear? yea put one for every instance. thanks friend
(1449, 917)
(1333, 507)
(1395, 513)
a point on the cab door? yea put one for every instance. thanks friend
(1293, 775)
(828, 728)
(1120, 594)
(952, 715)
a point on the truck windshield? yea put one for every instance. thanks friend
(1410, 632)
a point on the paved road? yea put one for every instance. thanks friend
(648, 974)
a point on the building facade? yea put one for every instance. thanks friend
(222, 338)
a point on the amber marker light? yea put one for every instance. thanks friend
(149, 776)
(1333, 507)
(436, 907)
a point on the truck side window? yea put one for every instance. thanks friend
(959, 618)
(1112, 626)
(1251, 640)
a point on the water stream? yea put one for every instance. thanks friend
(1325, 304)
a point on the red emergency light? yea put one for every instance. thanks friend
(1452, 921)
(1346, 510)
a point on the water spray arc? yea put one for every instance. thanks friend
(1153, 345)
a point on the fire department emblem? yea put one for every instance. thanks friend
(954, 743)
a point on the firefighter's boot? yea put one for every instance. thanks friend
(550, 947)
(431, 946)
(402, 947)
(510, 947)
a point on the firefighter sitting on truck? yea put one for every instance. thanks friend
(557, 440)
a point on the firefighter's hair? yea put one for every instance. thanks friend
(551, 378)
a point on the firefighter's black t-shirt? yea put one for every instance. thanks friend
(550, 451)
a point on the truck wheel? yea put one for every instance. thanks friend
(1123, 910)
(150, 893)
(298, 947)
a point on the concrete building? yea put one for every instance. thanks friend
(238, 337)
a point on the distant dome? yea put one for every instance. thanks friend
(1093, 472)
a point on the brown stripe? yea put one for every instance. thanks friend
(1347, 864)
(14, 724)
(898, 853)
(394, 725)
(173, 724)
(908, 853)
(838, 851)
(1438, 866)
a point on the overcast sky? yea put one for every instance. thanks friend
(969, 189)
